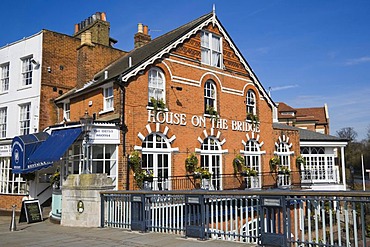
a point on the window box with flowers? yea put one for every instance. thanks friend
(157, 104)
(210, 110)
(248, 172)
(202, 173)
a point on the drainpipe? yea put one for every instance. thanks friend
(124, 127)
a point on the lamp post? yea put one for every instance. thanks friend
(86, 125)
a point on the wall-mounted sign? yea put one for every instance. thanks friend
(5, 151)
(202, 121)
(104, 136)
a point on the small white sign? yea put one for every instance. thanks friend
(5, 151)
(104, 135)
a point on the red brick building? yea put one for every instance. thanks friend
(187, 91)
(313, 118)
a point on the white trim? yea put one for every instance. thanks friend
(224, 35)
(322, 144)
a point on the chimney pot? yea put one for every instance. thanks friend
(103, 16)
(76, 28)
(146, 29)
(139, 28)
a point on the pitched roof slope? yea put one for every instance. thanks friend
(137, 56)
(314, 113)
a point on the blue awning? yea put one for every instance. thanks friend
(54, 147)
(23, 147)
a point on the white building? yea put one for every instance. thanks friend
(20, 83)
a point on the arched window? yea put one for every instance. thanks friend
(250, 102)
(156, 156)
(210, 155)
(252, 155)
(156, 85)
(210, 106)
(284, 154)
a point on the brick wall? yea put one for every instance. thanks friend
(232, 84)
(6, 202)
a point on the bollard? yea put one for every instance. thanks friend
(13, 226)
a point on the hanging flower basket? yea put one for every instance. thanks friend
(191, 163)
(274, 162)
(300, 160)
(238, 163)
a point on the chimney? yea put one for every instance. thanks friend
(141, 37)
(98, 26)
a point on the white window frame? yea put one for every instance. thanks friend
(3, 121)
(25, 119)
(11, 183)
(108, 95)
(320, 165)
(27, 70)
(67, 111)
(156, 85)
(213, 150)
(252, 156)
(210, 96)
(155, 147)
(250, 102)
(209, 50)
(4, 77)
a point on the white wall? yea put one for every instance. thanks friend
(18, 94)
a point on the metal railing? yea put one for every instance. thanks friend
(281, 218)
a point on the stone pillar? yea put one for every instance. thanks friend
(81, 199)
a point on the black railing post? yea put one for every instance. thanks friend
(102, 210)
(138, 216)
(195, 216)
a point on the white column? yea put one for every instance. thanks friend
(343, 168)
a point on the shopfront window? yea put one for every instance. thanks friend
(211, 159)
(103, 159)
(11, 183)
(156, 157)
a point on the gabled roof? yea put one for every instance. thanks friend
(313, 113)
(156, 49)
(282, 107)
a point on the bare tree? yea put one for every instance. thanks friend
(347, 133)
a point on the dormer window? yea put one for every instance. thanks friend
(211, 49)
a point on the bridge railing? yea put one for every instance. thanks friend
(270, 217)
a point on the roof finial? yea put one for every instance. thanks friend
(214, 9)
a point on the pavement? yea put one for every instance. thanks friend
(49, 234)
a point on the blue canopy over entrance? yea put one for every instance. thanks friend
(22, 148)
(30, 153)
(55, 146)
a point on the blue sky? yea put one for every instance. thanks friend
(310, 52)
